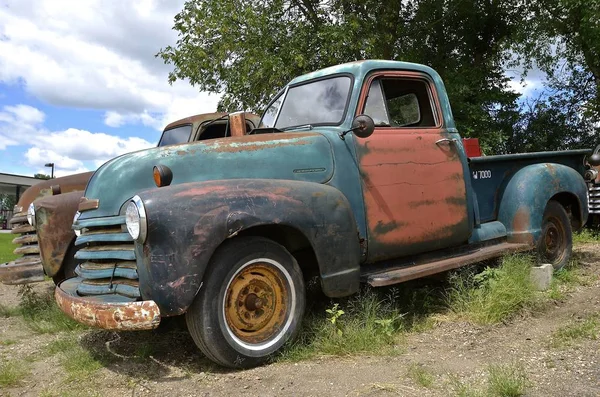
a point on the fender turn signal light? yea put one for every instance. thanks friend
(163, 176)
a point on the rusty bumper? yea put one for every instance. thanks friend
(22, 271)
(106, 311)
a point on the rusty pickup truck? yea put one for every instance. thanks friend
(44, 213)
(356, 173)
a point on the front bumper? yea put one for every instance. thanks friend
(115, 312)
(22, 271)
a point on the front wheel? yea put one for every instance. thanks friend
(250, 304)
(555, 245)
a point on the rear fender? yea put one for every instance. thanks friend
(525, 196)
(187, 222)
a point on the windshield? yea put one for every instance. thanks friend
(176, 135)
(317, 102)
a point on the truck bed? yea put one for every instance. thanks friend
(489, 174)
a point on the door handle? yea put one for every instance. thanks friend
(445, 140)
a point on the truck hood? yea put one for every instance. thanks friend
(43, 188)
(291, 155)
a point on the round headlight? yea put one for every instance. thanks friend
(135, 219)
(75, 218)
(31, 214)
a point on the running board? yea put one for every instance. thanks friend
(406, 273)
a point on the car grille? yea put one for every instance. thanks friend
(27, 240)
(594, 198)
(106, 258)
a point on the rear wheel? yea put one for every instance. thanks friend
(250, 304)
(555, 245)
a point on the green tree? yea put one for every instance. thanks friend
(7, 202)
(553, 121)
(41, 176)
(249, 49)
(562, 37)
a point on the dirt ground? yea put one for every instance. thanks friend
(167, 362)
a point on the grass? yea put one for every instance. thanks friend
(586, 236)
(12, 373)
(588, 328)
(41, 314)
(7, 247)
(507, 380)
(78, 362)
(421, 375)
(374, 321)
(494, 295)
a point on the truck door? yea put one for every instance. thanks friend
(412, 176)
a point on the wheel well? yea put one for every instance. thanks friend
(571, 204)
(294, 241)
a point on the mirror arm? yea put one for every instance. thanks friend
(342, 135)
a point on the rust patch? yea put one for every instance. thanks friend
(521, 226)
(419, 194)
(55, 217)
(237, 124)
(88, 204)
(119, 316)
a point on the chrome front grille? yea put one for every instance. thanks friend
(594, 198)
(107, 258)
(27, 241)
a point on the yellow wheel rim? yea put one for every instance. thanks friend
(257, 302)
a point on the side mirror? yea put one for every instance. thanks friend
(362, 126)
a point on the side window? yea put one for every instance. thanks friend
(400, 102)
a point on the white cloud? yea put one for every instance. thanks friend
(100, 55)
(72, 150)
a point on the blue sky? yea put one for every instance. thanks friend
(79, 82)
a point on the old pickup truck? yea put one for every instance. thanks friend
(357, 173)
(44, 214)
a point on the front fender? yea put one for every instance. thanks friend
(525, 196)
(187, 222)
(54, 217)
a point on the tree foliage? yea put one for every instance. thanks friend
(249, 49)
(7, 201)
(41, 176)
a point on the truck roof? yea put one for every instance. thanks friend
(363, 67)
(194, 119)
(360, 69)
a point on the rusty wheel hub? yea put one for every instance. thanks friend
(256, 303)
(554, 241)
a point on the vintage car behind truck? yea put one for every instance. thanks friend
(357, 173)
(594, 187)
(28, 267)
(46, 243)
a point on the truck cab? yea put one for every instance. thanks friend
(356, 173)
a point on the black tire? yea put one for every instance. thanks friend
(69, 264)
(250, 304)
(555, 245)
